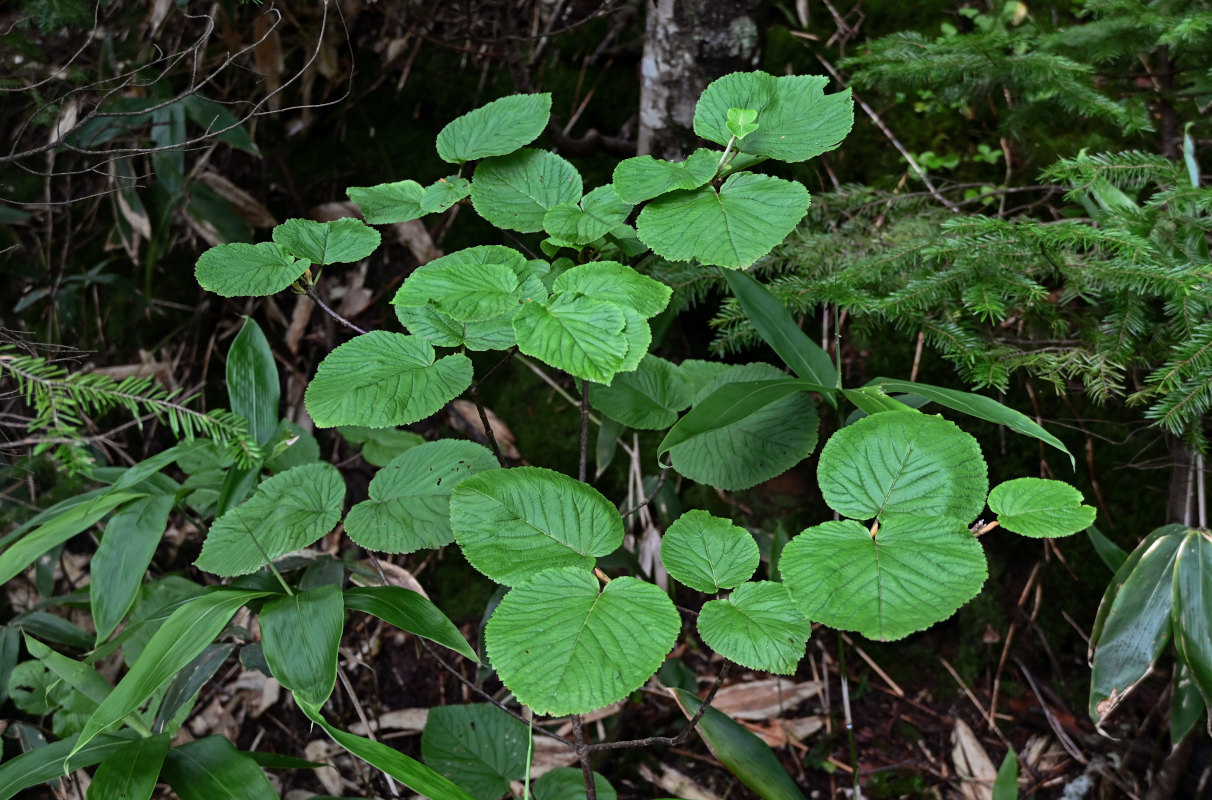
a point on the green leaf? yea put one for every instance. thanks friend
(797, 120)
(1133, 625)
(1192, 610)
(751, 424)
(389, 203)
(1187, 705)
(184, 635)
(869, 400)
(444, 193)
(252, 381)
(1111, 554)
(288, 512)
(975, 405)
(408, 771)
(516, 191)
(551, 637)
(84, 678)
(914, 572)
(644, 177)
(478, 746)
(617, 283)
(511, 523)
(122, 557)
(52, 761)
(290, 446)
(382, 379)
(248, 270)
(213, 769)
(213, 116)
(472, 293)
(300, 634)
(58, 529)
(638, 334)
(567, 783)
(381, 445)
(732, 228)
(708, 553)
(410, 612)
(184, 687)
(903, 463)
(132, 772)
(757, 626)
(597, 214)
(774, 324)
(579, 334)
(1040, 508)
(741, 122)
(441, 331)
(744, 754)
(409, 504)
(495, 129)
(339, 241)
(648, 398)
(1005, 786)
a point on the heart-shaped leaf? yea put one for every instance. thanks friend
(757, 626)
(644, 177)
(382, 379)
(248, 270)
(471, 293)
(579, 334)
(516, 191)
(598, 213)
(1040, 508)
(914, 572)
(288, 512)
(903, 463)
(741, 122)
(618, 283)
(440, 330)
(564, 648)
(733, 227)
(495, 129)
(338, 241)
(512, 523)
(409, 505)
(708, 553)
(649, 398)
(478, 746)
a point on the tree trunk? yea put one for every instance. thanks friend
(688, 44)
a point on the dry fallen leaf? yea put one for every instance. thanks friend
(972, 764)
(763, 700)
(465, 418)
(408, 720)
(676, 784)
(321, 750)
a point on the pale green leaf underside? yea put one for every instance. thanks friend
(409, 505)
(598, 213)
(563, 648)
(338, 241)
(757, 626)
(478, 746)
(288, 512)
(495, 129)
(1040, 508)
(917, 571)
(638, 334)
(441, 331)
(581, 335)
(248, 270)
(513, 523)
(903, 463)
(756, 448)
(732, 228)
(648, 398)
(516, 191)
(470, 293)
(796, 119)
(708, 553)
(618, 283)
(644, 177)
(382, 379)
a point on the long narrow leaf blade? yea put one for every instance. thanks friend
(410, 612)
(213, 769)
(132, 772)
(57, 531)
(54, 761)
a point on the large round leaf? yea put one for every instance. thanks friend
(517, 190)
(512, 523)
(758, 447)
(598, 213)
(579, 334)
(409, 505)
(648, 398)
(248, 270)
(478, 746)
(903, 464)
(382, 379)
(337, 241)
(644, 177)
(289, 511)
(708, 553)
(618, 283)
(495, 129)
(795, 119)
(757, 626)
(1040, 508)
(915, 572)
(563, 648)
(472, 293)
(731, 228)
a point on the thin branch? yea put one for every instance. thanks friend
(591, 791)
(311, 292)
(488, 432)
(683, 735)
(656, 490)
